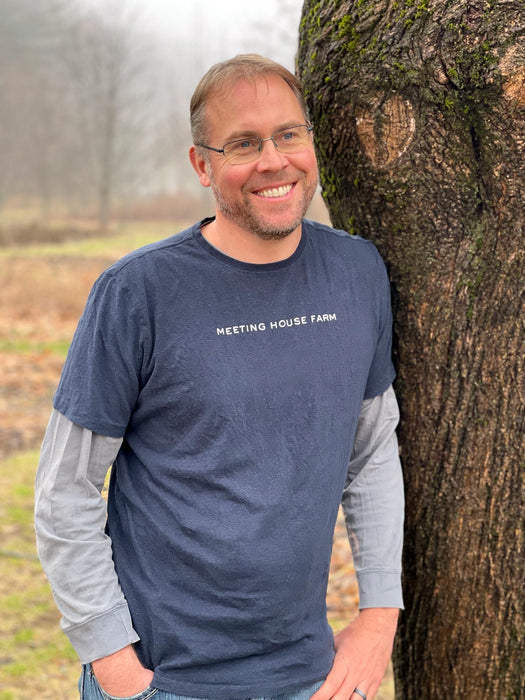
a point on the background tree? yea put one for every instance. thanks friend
(418, 108)
(28, 33)
(105, 70)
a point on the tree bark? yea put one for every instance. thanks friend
(418, 109)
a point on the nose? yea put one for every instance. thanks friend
(270, 158)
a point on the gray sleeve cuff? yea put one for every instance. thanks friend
(380, 589)
(102, 635)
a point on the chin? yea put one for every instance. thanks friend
(274, 234)
(273, 229)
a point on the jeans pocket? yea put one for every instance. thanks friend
(145, 694)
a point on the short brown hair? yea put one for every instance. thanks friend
(241, 67)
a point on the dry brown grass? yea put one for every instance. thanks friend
(46, 290)
(36, 233)
(40, 302)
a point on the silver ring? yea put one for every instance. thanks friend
(360, 693)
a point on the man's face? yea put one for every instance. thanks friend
(269, 196)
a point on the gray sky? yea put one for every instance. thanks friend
(219, 29)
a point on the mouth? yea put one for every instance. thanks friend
(274, 192)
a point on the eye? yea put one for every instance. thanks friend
(291, 137)
(242, 145)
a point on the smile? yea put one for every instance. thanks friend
(275, 191)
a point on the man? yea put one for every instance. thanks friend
(238, 376)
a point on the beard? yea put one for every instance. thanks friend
(243, 214)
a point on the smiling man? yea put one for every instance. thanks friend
(238, 378)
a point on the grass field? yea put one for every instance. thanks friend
(43, 288)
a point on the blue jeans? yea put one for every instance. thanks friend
(90, 690)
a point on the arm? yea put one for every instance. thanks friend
(373, 504)
(70, 517)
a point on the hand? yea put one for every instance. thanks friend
(362, 652)
(121, 674)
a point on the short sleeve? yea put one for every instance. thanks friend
(382, 372)
(100, 381)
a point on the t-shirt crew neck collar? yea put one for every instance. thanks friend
(240, 264)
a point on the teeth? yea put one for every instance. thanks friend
(275, 191)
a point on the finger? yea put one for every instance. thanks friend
(364, 690)
(333, 683)
(359, 693)
(327, 690)
(338, 686)
(347, 692)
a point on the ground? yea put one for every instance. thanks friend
(43, 288)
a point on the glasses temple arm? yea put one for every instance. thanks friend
(210, 148)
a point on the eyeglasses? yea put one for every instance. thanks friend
(246, 150)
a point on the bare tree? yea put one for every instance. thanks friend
(28, 33)
(109, 84)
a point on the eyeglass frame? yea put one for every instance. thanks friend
(308, 126)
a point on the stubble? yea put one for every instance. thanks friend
(243, 214)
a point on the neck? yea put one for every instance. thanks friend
(247, 247)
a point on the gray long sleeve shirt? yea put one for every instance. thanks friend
(70, 517)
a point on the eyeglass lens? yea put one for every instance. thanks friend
(286, 140)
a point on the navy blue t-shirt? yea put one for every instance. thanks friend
(236, 388)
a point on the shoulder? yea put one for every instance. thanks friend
(153, 253)
(149, 264)
(330, 240)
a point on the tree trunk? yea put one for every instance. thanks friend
(418, 109)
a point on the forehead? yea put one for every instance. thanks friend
(257, 106)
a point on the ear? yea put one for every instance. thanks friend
(200, 166)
